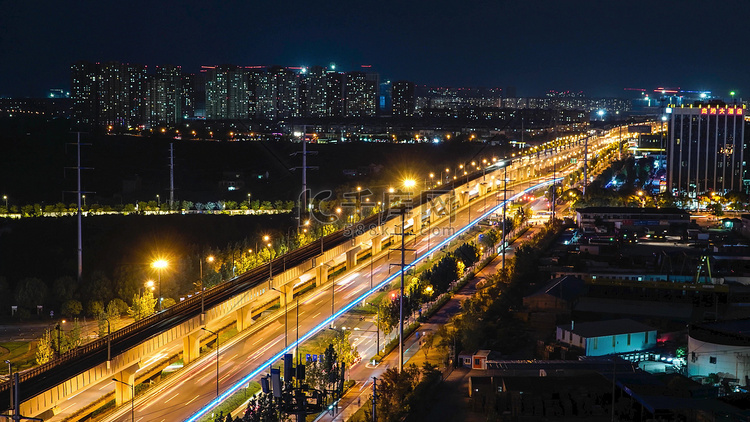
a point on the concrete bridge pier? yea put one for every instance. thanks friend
(351, 258)
(244, 317)
(191, 346)
(377, 245)
(124, 393)
(322, 275)
(287, 294)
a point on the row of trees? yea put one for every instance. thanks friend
(100, 292)
(433, 281)
(486, 319)
(42, 210)
(404, 394)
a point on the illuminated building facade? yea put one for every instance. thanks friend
(227, 93)
(706, 150)
(315, 92)
(403, 99)
(334, 94)
(110, 94)
(361, 95)
(165, 92)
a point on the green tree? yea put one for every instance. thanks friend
(117, 307)
(99, 287)
(262, 408)
(489, 238)
(716, 209)
(143, 305)
(44, 350)
(343, 347)
(396, 390)
(64, 288)
(71, 308)
(94, 308)
(30, 292)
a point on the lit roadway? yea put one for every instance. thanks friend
(180, 398)
(191, 389)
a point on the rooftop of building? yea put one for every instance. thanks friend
(566, 288)
(607, 328)
(632, 210)
(729, 332)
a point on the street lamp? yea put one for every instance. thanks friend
(109, 343)
(84, 200)
(132, 398)
(10, 377)
(217, 358)
(5, 197)
(160, 264)
(267, 239)
(209, 259)
(58, 327)
(377, 326)
(359, 201)
(333, 291)
(158, 200)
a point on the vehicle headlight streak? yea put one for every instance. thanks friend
(327, 322)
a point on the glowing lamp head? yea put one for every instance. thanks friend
(160, 264)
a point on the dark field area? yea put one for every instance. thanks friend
(118, 249)
(34, 157)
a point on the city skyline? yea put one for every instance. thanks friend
(598, 48)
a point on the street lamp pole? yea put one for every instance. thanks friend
(59, 339)
(296, 348)
(505, 203)
(333, 292)
(217, 358)
(109, 343)
(132, 398)
(377, 327)
(160, 265)
(10, 377)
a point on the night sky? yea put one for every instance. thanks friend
(597, 46)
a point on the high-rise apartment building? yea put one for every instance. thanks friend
(403, 99)
(227, 92)
(165, 96)
(361, 94)
(706, 150)
(84, 94)
(277, 93)
(287, 92)
(335, 94)
(315, 84)
(108, 94)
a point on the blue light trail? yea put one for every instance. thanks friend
(328, 321)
